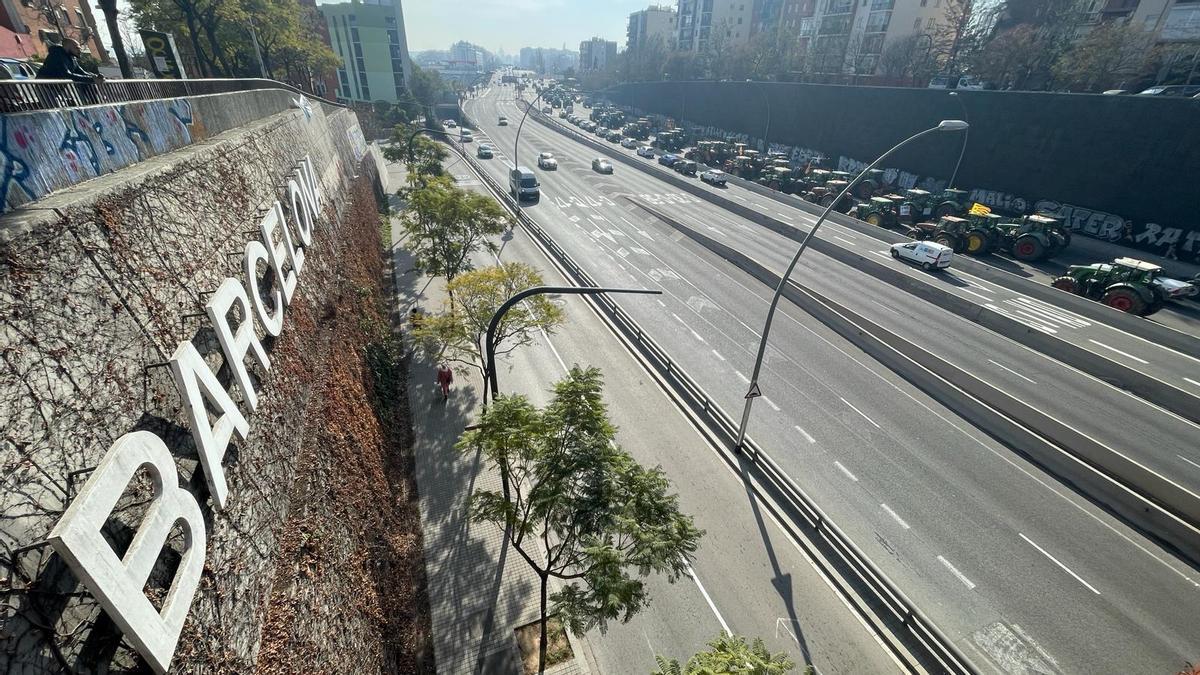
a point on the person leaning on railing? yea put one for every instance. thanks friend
(62, 63)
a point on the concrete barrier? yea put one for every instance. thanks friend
(1149, 501)
(1177, 400)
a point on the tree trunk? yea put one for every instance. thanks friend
(542, 645)
(109, 7)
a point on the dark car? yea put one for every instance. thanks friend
(668, 159)
(685, 166)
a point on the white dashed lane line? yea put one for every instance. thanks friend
(846, 471)
(959, 575)
(1191, 381)
(1188, 461)
(1118, 351)
(1001, 365)
(1056, 562)
(807, 436)
(718, 355)
(864, 415)
(770, 403)
(896, 517)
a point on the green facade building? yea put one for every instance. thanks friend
(369, 38)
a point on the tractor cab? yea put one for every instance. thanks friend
(1126, 284)
(915, 206)
(878, 211)
(871, 184)
(949, 231)
(951, 201)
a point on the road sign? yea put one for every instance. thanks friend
(754, 392)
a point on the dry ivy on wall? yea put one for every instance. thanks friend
(90, 302)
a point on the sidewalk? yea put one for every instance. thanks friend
(479, 591)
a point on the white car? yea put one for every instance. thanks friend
(645, 151)
(484, 151)
(466, 136)
(930, 255)
(630, 143)
(547, 162)
(450, 124)
(601, 165)
(714, 177)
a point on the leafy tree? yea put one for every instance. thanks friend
(1030, 36)
(578, 508)
(730, 654)
(426, 158)
(1111, 52)
(459, 332)
(444, 225)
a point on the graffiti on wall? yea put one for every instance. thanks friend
(46, 151)
(1000, 201)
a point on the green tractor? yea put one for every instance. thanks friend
(951, 202)
(825, 194)
(984, 234)
(949, 231)
(1033, 237)
(879, 211)
(778, 178)
(670, 140)
(871, 185)
(1127, 284)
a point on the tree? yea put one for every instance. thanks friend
(444, 225)
(425, 160)
(1111, 52)
(1031, 36)
(578, 508)
(109, 8)
(458, 333)
(909, 57)
(730, 654)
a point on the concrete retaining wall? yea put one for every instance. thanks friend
(50, 150)
(98, 285)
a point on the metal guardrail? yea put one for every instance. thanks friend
(937, 644)
(27, 95)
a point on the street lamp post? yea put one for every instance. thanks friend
(754, 391)
(517, 140)
(966, 132)
(489, 344)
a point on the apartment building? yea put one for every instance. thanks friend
(596, 54)
(651, 23)
(32, 26)
(1173, 27)
(369, 37)
(724, 22)
(849, 36)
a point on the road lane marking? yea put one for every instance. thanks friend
(978, 295)
(895, 516)
(737, 197)
(1056, 562)
(860, 412)
(743, 377)
(661, 302)
(1023, 321)
(784, 216)
(880, 254)
(707, 598)
(885, 307)
(1114, 349)
(1001, 365)
(1188, 461)
(718, 355)
(807, 436)
(770, 403)
(845, 471)
(852, 243)
(1192, 381)
(954, 570)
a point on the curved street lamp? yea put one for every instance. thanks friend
(754, 391)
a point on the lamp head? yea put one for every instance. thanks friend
(952, 125)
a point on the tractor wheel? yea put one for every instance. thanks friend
(827, 200)
(875, 219)
(947, 210)
(1158, 301)
(915, 233)
(1066, 283)
(864, 191)
(977, 242)
(1028, 248)
(895, 254)
(947, 239)
(1124, 299)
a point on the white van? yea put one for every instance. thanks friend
(522, 184)
(930, 255)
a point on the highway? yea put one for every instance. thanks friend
(1102, 341)
(987, 544)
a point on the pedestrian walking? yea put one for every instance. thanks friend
(445, 377)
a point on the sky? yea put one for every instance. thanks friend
(512, 24)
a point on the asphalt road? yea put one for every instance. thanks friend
(1158, 439)
(1103, 341)
(989, 546)
(744, 556)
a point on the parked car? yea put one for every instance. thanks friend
(629, 143)
(562, 114)
(466, 136)
(18, 70)
(546, 110)
(645, 151)
(546, 162)
(613, 137)
(952, 82)
(1180, 90)
(451, 124)
(601, 131)
(930, 255)
(668, 159)
(714, 177)
(484, 151)
(686, 167)
(601, 165)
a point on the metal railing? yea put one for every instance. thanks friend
(27, 95)
(938, 646)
